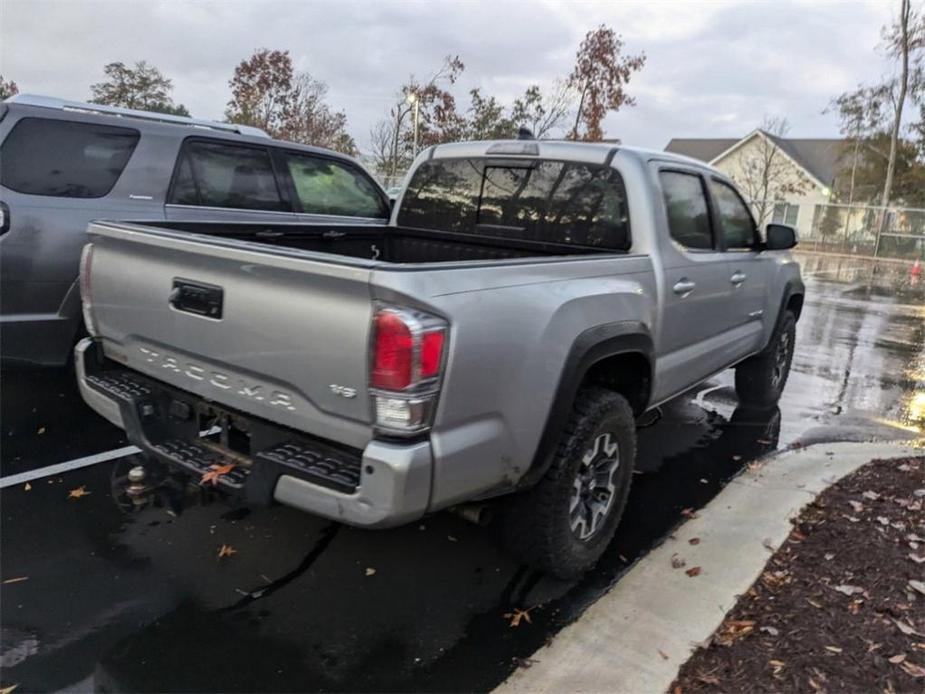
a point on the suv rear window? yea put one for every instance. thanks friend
(548, 201)
(64, 158)
(213, 174)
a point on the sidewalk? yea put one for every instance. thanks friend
(636, 637)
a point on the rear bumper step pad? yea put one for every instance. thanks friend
(145, 405)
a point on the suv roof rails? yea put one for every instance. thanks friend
(63, 105)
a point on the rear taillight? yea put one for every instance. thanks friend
(86, 298)
(406, 366)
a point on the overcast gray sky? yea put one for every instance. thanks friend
(713, 70)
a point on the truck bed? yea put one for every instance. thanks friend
(388, 244)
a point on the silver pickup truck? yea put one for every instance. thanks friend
(526, 302)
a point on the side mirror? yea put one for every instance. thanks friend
(780, 237)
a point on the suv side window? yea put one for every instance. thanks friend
(214, 174)
(688, 213)
(65, 159)
(735, 221)
(325, 186)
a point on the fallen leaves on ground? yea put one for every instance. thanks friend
(79, 492)
(226, 551)
(733, 629)
(693, 571)
(517, 615)
(694, 541)
(688, 513)
(18, 579)
(917, 585)
(849, 590)
(215, 472)
(677, 562)
(865, 631)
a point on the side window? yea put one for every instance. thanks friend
(735, 221)
(325, 186)
(63, 158)
(214, 174)
(688, 215)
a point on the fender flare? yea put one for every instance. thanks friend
(590, 347)
(793, 287)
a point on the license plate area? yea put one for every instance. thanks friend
(200, 299)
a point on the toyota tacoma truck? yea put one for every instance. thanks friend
(525, 304)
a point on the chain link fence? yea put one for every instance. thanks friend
(860, 230)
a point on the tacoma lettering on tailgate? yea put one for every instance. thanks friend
(257, 392)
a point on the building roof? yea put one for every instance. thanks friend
(821, 157)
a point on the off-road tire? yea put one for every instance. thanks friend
(760, 379)
(536, 525)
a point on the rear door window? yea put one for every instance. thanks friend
(547, 201)
(688, 214)
(214, 174)
(325, 186)
(65, 159)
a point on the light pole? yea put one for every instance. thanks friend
(413, 100)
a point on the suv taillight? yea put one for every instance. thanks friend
(406, 366)
(86, 264)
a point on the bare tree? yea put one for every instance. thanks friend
(8, 88)
(380, 140)
(543, 113)
(438, 118)
(763, 171)
(863, 113)
(904, 39)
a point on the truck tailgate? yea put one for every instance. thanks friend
(287, 337)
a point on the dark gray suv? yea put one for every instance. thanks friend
(63, 164)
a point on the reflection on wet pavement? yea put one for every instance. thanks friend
(143, 602)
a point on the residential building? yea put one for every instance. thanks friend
(805, 172)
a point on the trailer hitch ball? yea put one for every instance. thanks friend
(137, 490)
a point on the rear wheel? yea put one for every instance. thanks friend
(564, 523)
(760, 380)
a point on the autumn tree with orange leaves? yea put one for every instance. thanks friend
(268, 93)
(599, 79)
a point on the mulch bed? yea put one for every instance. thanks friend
(840, 606)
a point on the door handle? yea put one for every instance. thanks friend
(683, 287)
(738, 277)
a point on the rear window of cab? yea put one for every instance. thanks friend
(548, 201)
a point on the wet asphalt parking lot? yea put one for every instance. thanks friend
(98, 598)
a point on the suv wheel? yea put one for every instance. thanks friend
(563, 524)
(760, 380)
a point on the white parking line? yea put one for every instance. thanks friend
(66, 466)
(78, 463)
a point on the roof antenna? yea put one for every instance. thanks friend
(524, 133)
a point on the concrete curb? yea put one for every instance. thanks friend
(635, 638)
